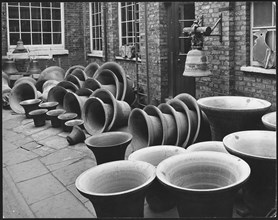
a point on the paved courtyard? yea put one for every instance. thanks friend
(39, 171)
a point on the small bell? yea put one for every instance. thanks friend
(33, 68)
(9, 67)
(196, 64)
(20, 48)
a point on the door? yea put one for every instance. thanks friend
(180, 15)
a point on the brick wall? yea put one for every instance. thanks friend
(226, 58)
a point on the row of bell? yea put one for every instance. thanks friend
(9, 68)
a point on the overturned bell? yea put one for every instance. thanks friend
(196, 64)
(20, 48)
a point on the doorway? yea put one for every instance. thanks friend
(180, 15)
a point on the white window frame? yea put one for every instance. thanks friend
(252, 30)
(120, 24)
(37, 50)
(95, 52)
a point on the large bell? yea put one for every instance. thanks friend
(20, 48)
(9, 67)
(196, 64)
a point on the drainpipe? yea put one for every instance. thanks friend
(105, 31)
(136, 52)
(84, 32)
(147, 54)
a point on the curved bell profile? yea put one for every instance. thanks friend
(196, 64)
(20, 47)
(9, 67)
(33, 67)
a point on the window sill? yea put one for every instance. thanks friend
(94, 55)
(36, 54)
(252, 69)
(127, 59)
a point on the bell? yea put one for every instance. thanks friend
(196, 64)
(20, 48)
(33, 67)
(9, 67)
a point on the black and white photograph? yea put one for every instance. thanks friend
(129, 110)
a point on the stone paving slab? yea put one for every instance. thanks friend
(14, 205)
(63, 205)
(27, 170)
(26, 121)
(30, 146)
(55, 142)
(39, 188)
(43, 151)
(75, 192)
(9, 114)
(66, 163)
(7, 146)
(61, 155)
(21, 139)
(17, 156)
(13, 122)
(67, 175)
(30, 128)
(83, 148)
(50, 132)
(8, 134)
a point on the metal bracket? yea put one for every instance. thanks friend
(197, 29)
(219, 21)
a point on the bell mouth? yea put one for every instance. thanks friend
(115, 178)
(38, 112)
(155, 154)
(203, 172)
(56, 112)
(256, 144)
(108, 139)
(233, 103)
(269, 120)
(30, 102)
(74, 122)
(207, 146)
(140, 127)
(48, 104)
(67, 116)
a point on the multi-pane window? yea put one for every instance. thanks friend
(36, 23)
(129, 24)
(96, 27)
(263, 33)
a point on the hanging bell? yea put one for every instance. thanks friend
(9, 67)
(196, 64)
(20, 48)
(33, 68)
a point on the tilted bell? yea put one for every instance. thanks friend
(20, 48)
(196, 64)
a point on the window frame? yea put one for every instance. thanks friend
(38, 49)
(253, 29)
(96, 52)
(120, 24)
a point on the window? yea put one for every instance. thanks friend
(128, 28)
(96, 28)
(38, 24)
(263, 34)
